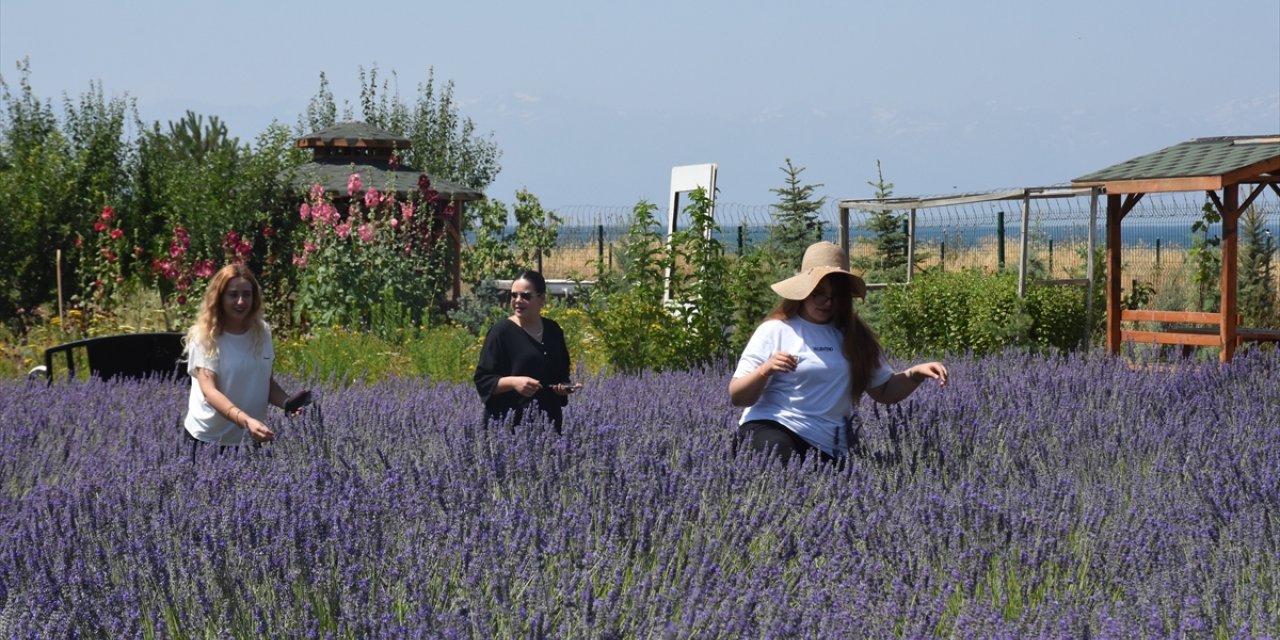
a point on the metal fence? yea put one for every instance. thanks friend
(1156, 234)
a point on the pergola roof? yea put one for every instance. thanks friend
(359, 147)
(925, 202)
(1200, 164)
(333, 176)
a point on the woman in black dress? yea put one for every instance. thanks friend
(524, 362)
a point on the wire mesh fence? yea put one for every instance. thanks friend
(1156, 235)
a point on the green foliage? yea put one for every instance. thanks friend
(950, 312)
(795, 219)
(1258, 302)
(444, 353)
(635, 327)
(1206, 255)
(490, 255)
(54, 178)
(536, 230)
(888, 262)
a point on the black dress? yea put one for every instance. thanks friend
(510, 351)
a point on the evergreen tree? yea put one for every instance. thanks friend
(1257, 275)
(887, 263)
(795, 218)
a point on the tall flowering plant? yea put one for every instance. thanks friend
(99, 257)
(181, 275)
(372, 255)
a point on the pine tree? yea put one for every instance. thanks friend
(888, 237)
(1257, 276)
(795, 218)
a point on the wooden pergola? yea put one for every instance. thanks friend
(1225, 168)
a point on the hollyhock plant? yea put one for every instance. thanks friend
(359, 249)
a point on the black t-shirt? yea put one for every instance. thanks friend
(510, 351)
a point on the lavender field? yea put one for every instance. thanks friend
(1032, 497)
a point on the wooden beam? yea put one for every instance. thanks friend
(1236, 176)
(1230, 253)
(1152, 315)
(1252, 196)
(1129, 203)
(1160, 185)
(1217, 202)
(1170, 337)
(1114, 216)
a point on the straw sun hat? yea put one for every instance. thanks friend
(820, 259)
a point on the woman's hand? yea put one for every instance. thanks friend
(526, 386)
(257, 430)
(780, 361)
(924, 371)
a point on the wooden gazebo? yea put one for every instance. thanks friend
(358, 147)
(1220, 167)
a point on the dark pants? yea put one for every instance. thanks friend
(769, 435)
(218, 449)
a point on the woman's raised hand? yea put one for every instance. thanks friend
(780, 361)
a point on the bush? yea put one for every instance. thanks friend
(942, 312)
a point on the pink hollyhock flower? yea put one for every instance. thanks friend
(353, 184)
(307, 247)
(300, 261)
(449, 211)
(244, 248)
(365, 231)
(116, 234)
(424, 183)
(372, 198)
(181, 236)
(268, 232)
(182, 299)
(343, 230)
(317, 192)
(109, 255)
(108, 213)
(230, 240)
(406, 210)
(203, 268)
(395, 224)
(79, 241)
(99, 226)
(176, 250)
(304, 211)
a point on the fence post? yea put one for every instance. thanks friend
(1050, 258)
(844, 230)
(742, 238)
(911, 243)
(942, 255)
(600, 243)
(1000, 241)
(1157, 253)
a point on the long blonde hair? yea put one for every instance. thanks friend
(858, 342)
(208, 326)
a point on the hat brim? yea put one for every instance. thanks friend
(799, 286)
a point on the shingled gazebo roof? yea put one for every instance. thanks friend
(1200, 164)
(358, 147)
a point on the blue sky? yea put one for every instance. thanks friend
(592, 103)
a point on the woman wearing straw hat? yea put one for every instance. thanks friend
(807, 364)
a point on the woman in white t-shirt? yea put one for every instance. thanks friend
(229, 358)
(809, 362)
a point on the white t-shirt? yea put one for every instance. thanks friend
(815, 400)
(244, 376)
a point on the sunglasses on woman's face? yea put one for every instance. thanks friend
(523, 295)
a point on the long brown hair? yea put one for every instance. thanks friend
(859, 343)
(209, 320)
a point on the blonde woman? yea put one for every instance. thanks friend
(229, 358)
(808, 364)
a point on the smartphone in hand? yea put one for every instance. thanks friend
(570, 387)
(297, 401)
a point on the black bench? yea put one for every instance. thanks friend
(130, 355)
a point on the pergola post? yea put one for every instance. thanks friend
(1114, 214)
(1230, 242)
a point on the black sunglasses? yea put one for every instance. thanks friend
(523, 295)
